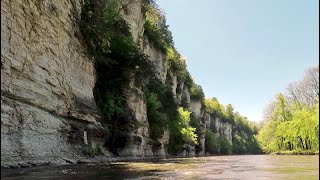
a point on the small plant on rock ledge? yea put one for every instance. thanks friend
(93, 150)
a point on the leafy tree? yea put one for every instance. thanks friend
(225, 146)
(157, 119)
(239, 144)
(181, 132)
(156, 28)
(243, 136)
(188, 132)
(292, 123)
(282, 109)
(196, 92)
(211, 143)
(213, 107)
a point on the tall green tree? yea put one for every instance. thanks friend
(292, 121)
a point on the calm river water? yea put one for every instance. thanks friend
(214, 167)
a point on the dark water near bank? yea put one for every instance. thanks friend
(216, 167)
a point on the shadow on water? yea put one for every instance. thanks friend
(79, 171)
(154, 169)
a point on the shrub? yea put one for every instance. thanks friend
(253, 146)
(94, 150)
(225, 146)
(181, 132)
(188, 132)
(197, 93)
(161, 108)
(211, 142)
(157, 119)
(155, 27)
(238, 144)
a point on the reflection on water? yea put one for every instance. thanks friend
(216, 167)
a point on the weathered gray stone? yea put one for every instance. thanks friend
(157, 58)
(196, 108)
(88, 161)
(25, 165)
(85, 138)
(46, 80)
(223, 129)
(71, 161)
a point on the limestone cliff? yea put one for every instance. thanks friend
(46, 81)
(48, 108)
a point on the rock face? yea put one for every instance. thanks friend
(133, 13)
(196, 108)
(140, 145)
(223, 129)
(46, 80)
(137, 113)
(157, 58)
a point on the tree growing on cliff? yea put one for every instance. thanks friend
(188, 133)
(157, 119)
(243, 131)
(156, 28)
(211, 143)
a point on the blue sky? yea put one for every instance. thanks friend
(244, 51)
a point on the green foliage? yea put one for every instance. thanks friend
(196, 92)
(156, 118)
(213, 107)
(189, 136)
(217, 145)
(282, 109)
(239, 145)
(94, 150)
(293, 120)
(117, 57)
(176, 63)
(229, 113)
(266, 137)
(301, 132)
(157, 32)
(211, 143)
(160, 103)
(225, 146)
(196, 123)
(188, 80)
(188, 133)
(253, 146)
(243, 137)
(156, 29)
(181, 132)
(216, 109)
(243, 145)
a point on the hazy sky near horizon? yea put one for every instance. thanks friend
(243, 52)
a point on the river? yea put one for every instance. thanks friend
(214, 167)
